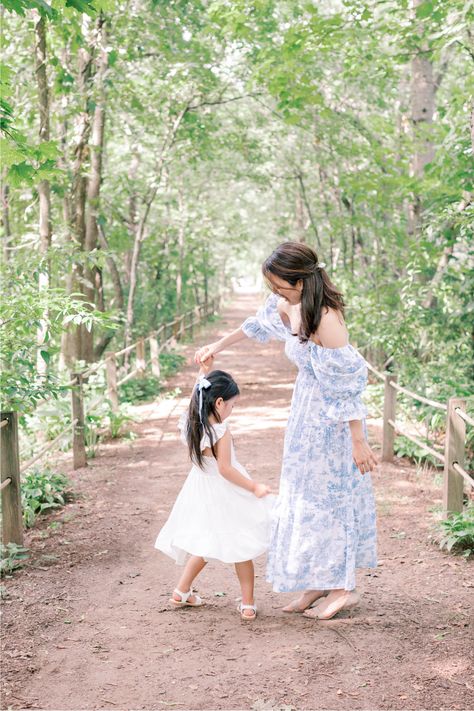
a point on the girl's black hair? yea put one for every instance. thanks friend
(222, 385)
(292, 261)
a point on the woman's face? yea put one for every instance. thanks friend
(283, 288)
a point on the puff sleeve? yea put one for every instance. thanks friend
(219, 430)
(183, 426)
(342, 377)
(266, 324)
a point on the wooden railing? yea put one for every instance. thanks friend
(453, 456)
(116, 375)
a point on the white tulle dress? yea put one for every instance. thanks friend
(214, 518)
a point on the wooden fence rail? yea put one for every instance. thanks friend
(452, 458)
(454, 476)
(12, 525)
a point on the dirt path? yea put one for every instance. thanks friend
(87, 625)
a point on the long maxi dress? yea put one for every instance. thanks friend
(324, 525)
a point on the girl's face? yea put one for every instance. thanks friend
(225, 407)
(283, 288)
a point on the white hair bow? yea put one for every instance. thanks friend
(202, 383)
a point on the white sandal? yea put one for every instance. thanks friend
(241, 608)
(184, 602)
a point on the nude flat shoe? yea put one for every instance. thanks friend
(326, 612)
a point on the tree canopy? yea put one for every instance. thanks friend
(151, 151)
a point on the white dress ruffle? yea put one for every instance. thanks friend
(214, 518)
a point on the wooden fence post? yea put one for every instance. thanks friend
(79, 458)
(140, 355)
(389, 406)
(12, 525)
(111, 375)
(453, 483)
(154, 356)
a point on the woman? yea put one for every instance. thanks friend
(325, 516)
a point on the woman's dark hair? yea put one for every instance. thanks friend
(222, 385)
(292, 261)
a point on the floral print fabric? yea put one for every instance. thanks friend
(325, 524)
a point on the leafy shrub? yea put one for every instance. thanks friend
(142, 389)
(12, 557)
(403, 447)
(139, 389)
(117, 420)
(457, 532)
(170, 363)
(41, 490)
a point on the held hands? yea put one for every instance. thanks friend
(363, 457)
(206, 365)
(204, 353)
(260, 490)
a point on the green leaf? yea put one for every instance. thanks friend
(425, 9)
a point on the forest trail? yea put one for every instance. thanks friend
(87, 624)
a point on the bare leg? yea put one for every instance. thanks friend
(304, 601)
(246, 576)
(191, 570)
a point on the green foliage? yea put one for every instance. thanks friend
(139, 389)
(42, 490)
(403, 447)
(12, 557)
(148, 388)
(117, 420)
(248, 123)
(25, 309)
(457, 532)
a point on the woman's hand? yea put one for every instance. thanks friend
(260, 490)
(202, 354)
(363, 456)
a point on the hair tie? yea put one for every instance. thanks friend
(202, 383)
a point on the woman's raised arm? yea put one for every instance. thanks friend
(205, 352)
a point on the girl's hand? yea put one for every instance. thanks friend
(206, 365)
(202, 354)
(261, 490)
(363, 457)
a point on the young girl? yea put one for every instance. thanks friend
(220, 512)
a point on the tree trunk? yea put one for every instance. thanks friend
(44, 193)
(142, 225)
(6, 221)
(422, 99)
(95, 179)
(181, 234)
(72, 348)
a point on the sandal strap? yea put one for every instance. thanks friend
(247, 607)
(184, 596)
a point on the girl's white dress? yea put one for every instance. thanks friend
(214, 518)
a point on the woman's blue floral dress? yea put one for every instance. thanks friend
(325, 526)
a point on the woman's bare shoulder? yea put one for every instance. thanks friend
(332, 316)
(332, 331)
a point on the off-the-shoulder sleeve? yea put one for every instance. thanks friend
(219, 430)
(342, 376)
(266, 324)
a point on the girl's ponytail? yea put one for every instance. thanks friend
(221, 385)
